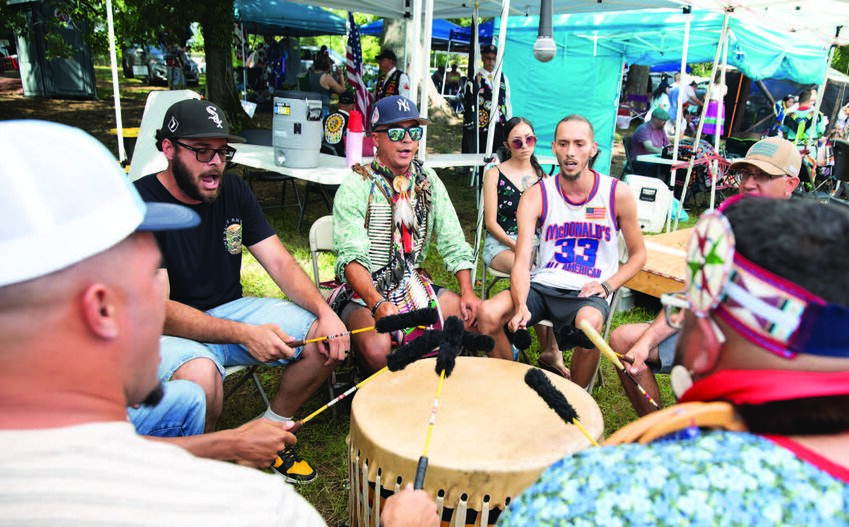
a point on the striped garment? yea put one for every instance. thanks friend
(104, 474)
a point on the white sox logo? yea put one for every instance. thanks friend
(213, 115)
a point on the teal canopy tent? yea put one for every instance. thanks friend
(278, 17)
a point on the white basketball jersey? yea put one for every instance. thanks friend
(579, 242)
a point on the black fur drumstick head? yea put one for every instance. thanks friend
(414, 350)
(570, 336)
(419, 317)
(540, 383)
(449, 345)
(477, 342)
(521, 338)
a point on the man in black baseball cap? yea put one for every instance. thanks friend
(209, 325)
(391, 80)
(385, 216)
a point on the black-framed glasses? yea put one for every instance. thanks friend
(743, 174)
(397, 133)
(205, 155)
(518, 143)
(674, 306)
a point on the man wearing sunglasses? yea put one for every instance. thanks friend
(209, 325)
(760, 434)
(770, 168)
(579, 214)
(385, 216)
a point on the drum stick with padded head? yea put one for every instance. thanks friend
(449, 346)
(417, 318)
(570, 337)
(611, 355)
(555, 399)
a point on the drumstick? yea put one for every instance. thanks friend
(417, 318)
(555, 399)
(449, 346)
(611, 356)
(395, 361)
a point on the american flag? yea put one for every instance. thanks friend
(595, 213)
(354, 68)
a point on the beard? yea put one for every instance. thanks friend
(189, 185)
(154, 397)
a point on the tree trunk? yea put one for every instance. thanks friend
(439, 110)
(217, 24)
(638, 79)
(393, 38)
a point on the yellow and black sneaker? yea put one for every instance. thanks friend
(293, 468)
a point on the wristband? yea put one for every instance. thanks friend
(377, 305)
(607, 289)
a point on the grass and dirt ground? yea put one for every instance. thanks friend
(322, 441)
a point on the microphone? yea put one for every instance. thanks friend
(544, 48)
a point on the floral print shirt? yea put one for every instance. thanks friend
(718, 478)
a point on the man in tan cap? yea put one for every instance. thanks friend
(770, 168)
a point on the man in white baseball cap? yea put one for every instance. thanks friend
(81, 310)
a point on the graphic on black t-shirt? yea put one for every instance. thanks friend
(233, 236)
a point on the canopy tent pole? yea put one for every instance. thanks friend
(116, 89)
(473, 69)
(425, 63)
(681, 82)
(821, 91)
(495, 111)
(723, 36)
(244, 63)
(414, 57)
(720, 121)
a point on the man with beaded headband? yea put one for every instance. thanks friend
(761, 433)
(384, 217)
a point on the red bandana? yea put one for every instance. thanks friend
(764, 386)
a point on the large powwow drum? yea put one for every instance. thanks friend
(492, 438)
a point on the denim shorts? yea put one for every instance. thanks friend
(292, 319)
(180, 413)
(666, 354)
(492, 248)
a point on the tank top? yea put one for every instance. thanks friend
(579, 242)
(315, 86)
(508, 204)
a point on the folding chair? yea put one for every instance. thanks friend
(249, 374)
(146, 158)
(321, 240)
(639, 105)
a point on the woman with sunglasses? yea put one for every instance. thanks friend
(503, 185)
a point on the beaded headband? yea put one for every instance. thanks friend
(766, 309)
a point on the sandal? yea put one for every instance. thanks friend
(557, 369)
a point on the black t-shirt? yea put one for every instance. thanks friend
(204, 263)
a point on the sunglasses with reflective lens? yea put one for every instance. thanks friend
(397, 133)
(517, 142)
(205, 155)
(742, 175)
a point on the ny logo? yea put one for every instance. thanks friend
(403, 105)
(214, 116)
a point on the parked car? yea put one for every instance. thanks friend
(148, 62)
(8, 60)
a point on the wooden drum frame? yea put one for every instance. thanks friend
(492, 438)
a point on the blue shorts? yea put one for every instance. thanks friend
(292, 319)
(666, 355)
(492, 248)
(180, 413)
